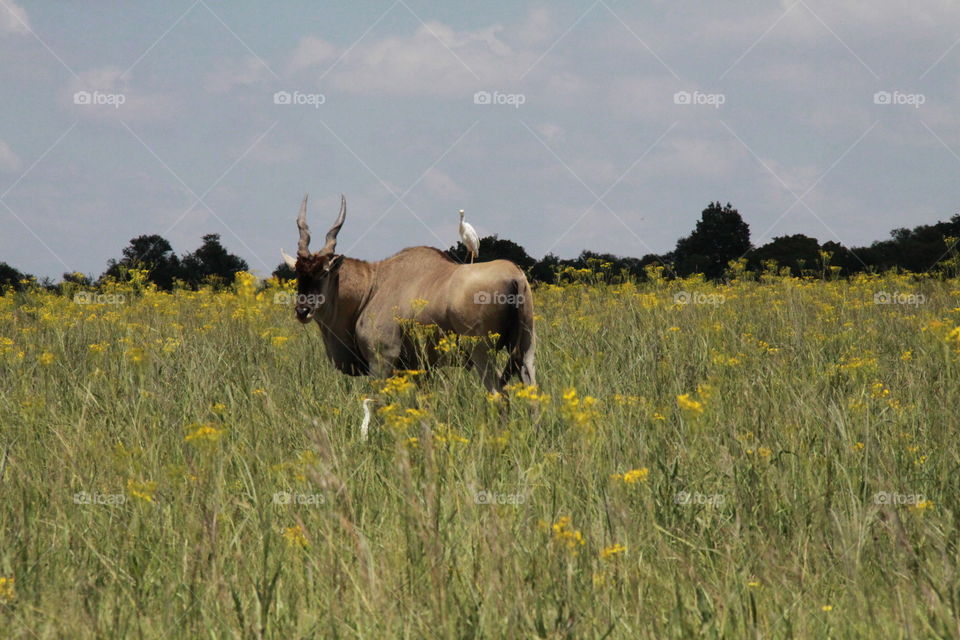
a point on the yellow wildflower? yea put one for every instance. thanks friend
(878, 390)
(142, 490)
(612, 550)
(8, 591)
(296, 537)
(580, 411)
(565, 535)
(689, 405)
(633, 476)
(204, 433)
(396, 385)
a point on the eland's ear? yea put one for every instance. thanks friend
(333, 263)
(290, 260)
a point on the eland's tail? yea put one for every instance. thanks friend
(520, 336)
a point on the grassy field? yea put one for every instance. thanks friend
(773, 458)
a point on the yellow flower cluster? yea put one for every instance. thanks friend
(204, 433)
(633, 476)
(530, 393)
(608, 552)
(581, 412)
(8, 592)
(688, 405)
(566, 536)
(141, 490)
(398, 384)
(296, 537)
(399, 418)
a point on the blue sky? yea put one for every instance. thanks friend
(593, 143)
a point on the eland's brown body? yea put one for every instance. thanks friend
(367, 311)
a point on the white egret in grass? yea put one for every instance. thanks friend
(469, 238)
(365, 425)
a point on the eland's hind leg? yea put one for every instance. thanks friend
(484, 360)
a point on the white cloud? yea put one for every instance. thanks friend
(103, 93)
(9, 160)
(552, 133)
(243, 72)
(434, 60)
(697, 157)
(538, 28)
(13, 18)
(441, 185)
(269, 152)
(312, 51)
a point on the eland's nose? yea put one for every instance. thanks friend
(303, 312)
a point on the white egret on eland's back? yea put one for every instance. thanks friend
(469, 238)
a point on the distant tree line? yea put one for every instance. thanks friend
(720, 237)
(211, 263)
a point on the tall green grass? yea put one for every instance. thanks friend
(803, 485)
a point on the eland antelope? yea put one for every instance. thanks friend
(366, 310)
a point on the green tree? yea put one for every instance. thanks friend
(284, 272)
(211, 262)
(494, 248)
(150, 252)
(799, 252)
(721, 235)
(10, 277)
